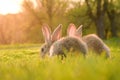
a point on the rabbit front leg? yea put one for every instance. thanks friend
(62, 55)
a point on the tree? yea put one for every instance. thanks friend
(104, 7)
(103, 14)
(97, 16)
(111, 12)
(46, 10)
(43, 11)
(11, 29)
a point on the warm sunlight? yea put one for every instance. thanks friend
(10, 6)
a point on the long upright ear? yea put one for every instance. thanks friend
(79, 31)
(46, 33)
(57, 33)
(71, 30)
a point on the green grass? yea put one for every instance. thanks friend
(23, 62)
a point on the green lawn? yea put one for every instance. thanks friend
(23, 62)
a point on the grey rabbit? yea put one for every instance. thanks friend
(93, 42)
(49, 38)
(67, 43)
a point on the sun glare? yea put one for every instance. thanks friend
(10, 6)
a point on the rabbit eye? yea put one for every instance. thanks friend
(42, 49)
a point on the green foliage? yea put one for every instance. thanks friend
(92, 13)
(25, 64)
(25, 27)
(77, 15)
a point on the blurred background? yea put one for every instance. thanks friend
(21, 20)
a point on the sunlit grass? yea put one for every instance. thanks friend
(26, 64)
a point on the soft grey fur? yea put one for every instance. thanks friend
(49, 38)
(68, 43)
(94, 43)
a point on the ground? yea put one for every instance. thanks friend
(23, 62)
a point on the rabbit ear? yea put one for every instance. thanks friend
(71, 30)
(79, 31)
(46, 33)
(57, 33)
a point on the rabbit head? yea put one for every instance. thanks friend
(49, 38)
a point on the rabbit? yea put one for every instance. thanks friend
(93, 42)
(67, 43)
(49, 38)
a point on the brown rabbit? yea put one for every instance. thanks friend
(68, 43)
(94, 42)
(49, 38)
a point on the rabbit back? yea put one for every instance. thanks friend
(68, 43)
(96, 44)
